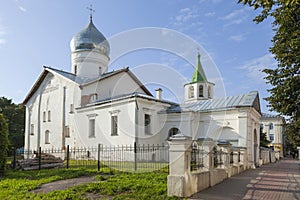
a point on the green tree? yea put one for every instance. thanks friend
(264, 142)
(15, 118)
(285, 80)
(3, 143)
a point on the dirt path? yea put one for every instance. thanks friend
(64, 184)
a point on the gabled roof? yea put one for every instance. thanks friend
(250, 99)
(109, 74)
(79, 80)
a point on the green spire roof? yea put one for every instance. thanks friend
(199, 75)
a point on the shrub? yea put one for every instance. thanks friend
(3, 143)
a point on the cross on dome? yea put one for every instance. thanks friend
(91, 11)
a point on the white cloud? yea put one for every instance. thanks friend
(2, 33)
(209, 14)
(233, 14)
(255, 66)
(22, 8)
(235, 17)
(210, 1)
(17, 2)
(2, 41)
(185, 14)
(237, 38)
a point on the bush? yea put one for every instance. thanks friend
(3, 143)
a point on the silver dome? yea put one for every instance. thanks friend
(90, 38)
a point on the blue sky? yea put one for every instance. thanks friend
(34, 33)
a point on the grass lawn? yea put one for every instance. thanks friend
(110, 184)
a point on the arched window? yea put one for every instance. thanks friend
(49, 116)
(47, 137)
(191, 92)
(271, 126)
(209, 92)
(100, 71)
(201, 91)
(173, 131)
(93, 97)
(147, 124)
(75, 69)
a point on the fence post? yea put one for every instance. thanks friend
(68, 156)
(40, 157)
(135, 156)
(98, 157)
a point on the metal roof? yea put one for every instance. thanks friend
(90, 38)
(127, 96)
(250, 99)
(266, 116)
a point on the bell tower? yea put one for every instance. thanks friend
(199, 88)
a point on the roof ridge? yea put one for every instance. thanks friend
(59, 70)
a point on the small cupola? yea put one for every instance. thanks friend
(199, 88)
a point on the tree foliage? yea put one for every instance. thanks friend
(15, 118)
(3, 143)
(285, 80)
(264, 142)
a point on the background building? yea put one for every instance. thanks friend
(272, 125)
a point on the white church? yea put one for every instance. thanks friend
(92, 105)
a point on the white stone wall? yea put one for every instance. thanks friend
(116, 85)
(49, 97)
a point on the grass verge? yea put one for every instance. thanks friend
(118, 185)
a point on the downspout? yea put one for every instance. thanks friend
(39, 124)
(29, 112)
(63, 140)
(136, 133)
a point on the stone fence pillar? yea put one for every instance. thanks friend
(208, 146)
(180, 158)
(225, 147)
(243, 158)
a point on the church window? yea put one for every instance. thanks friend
(44, 116)
(92, 127)
(271, 126)
(147, 124)
(209, 92)
(93, 97)
(191, 92)
(31, 129)
(71, 108)
(173, 131)
(47, 137)
(201, 91)
(49, 116)
(114, 125)
(75, 69)
(67, 131)
(271, 137)
(100, 71)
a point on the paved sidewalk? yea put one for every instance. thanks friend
(276, 181)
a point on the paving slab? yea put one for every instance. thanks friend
(276, 181)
